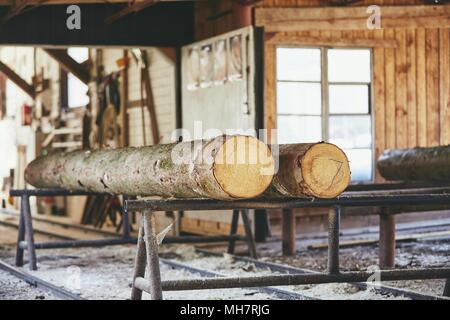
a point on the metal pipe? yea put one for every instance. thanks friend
(280, 203)
(151, 248)
(203, 239)
(379, 288)
(39, 283)
(295, 279)
(282, 294)
(249, 235)
(387, 239)
(26, 212)
(126, 227)
(396, 186)
(288, 234)
(446, 292)
(139, 262)
(79, 243)
(120, 241)
(334, 217)
(49, 192)
(233, 231)
(20, 238)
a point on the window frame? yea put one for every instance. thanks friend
(325, 84)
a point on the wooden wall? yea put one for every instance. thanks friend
(411, 84)
(162, 76)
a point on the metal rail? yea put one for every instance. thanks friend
(281, 203)
(39, 283)
(282, 294)
(294, 279)
(154, 285)
(379, 288)
(25, 239)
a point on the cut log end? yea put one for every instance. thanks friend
(325, 171)
(244, 167)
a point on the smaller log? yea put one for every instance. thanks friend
(318, 170)
(417, 164)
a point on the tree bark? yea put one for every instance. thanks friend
(310, 170)
(418, 164)
(226, 167)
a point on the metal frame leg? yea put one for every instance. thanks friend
(151, 247)
(20, 238)
(333, 239)
(249, 234)
(29, 232)
(233, 231)
(446, 292)
(289, 231)
(126, 227)
(386, 253)
(139, 262)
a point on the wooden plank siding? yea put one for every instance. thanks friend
(411, 58)
(411, 77)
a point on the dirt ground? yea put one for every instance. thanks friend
(106, 273)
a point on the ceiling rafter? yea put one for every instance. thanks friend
(17, 80)
(132, 7)
(17, 7)
(69, 64)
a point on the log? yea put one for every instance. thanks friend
(310, 170)
(417, 164)
(224, 168)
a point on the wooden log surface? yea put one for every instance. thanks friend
(417, 164)
(225, 168)
(310, 170)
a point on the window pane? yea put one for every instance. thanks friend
(298, 64)
(293, 129)
(347, 65)
(349, 98)
(360, 163)
(351, 131)
(77, 92)
(299, 98)
(80, 55)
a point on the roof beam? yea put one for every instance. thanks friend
(69, 64)
(18, 7)
(136, 7)
(17, 80)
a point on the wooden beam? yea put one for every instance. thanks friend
(69, 64)
(68, 2)
(282, 38)
(170, 53)
(136, 7)
(17, 80)
(351, 18)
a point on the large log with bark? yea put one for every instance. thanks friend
(226, 167)
(417, 164)
(310, 170)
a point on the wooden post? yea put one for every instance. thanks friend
(387, 239)
(289, 231)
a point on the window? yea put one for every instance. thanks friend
(325, 94)
(76, 90)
